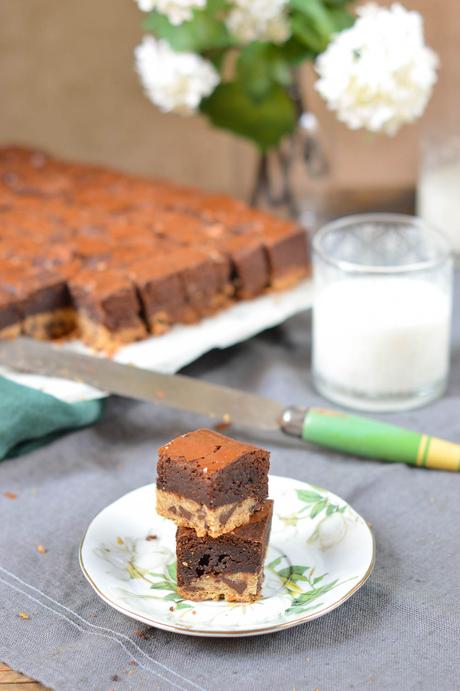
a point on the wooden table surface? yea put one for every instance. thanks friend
(13, 681)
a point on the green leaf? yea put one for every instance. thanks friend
(273, 564)
(308, 496)
(318, 579)
(341, 18)
(331, 509)
(161, 585)
(315, 593)
(301, 609)
(293, 573)
(338, 3)
(296, 609)
(217, 6)
(317, 508)
(295, 52)
(312, 24)
(183, 605)
(259, 66)
(172, 596)
(203, 32)
(265, 121)
(172, 571)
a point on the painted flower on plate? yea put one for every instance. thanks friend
(331, 530)
(130, 558)
(379, 74)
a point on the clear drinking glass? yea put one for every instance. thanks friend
(438, 189)
(382, 312)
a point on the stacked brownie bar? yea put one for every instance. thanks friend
(121, 257)
(215, 489)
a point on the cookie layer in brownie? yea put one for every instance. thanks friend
(108, 308)
(228, 567)
(209, 482)
(39, 298)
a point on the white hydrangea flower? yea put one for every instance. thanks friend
(379, 74)
(175, 82)
(177, 11)
(264, 20)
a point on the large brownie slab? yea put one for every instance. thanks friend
(186, 253)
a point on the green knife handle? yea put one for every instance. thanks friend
(362, 436)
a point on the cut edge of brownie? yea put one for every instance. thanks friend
(238, 587)
(287, 255)
(230, 566)
(202, 519)
(34, 301)
(212, 469)
(49, 312)
(109, 312)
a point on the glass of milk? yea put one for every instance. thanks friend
(438, 197)
(382, 312)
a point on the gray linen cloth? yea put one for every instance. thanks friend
(400, 631)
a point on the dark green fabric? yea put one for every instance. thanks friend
(31, 418)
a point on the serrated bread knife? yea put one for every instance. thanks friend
(350, 434)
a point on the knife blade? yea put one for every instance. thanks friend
(352, 434)
(176, 391)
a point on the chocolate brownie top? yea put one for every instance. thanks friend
(242, 550)
(213, 469)
(206, 449)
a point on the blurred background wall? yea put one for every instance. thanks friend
(67, 84)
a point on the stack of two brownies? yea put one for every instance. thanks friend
(215, 489)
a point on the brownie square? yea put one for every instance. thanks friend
(287, 254)
(161, 292)
(109, 313)
(180, 287)
(39, 298)
(205, 279)
(228, 567)
(249, 265)
(209, 482)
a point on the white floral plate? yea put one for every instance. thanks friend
(320, 553)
